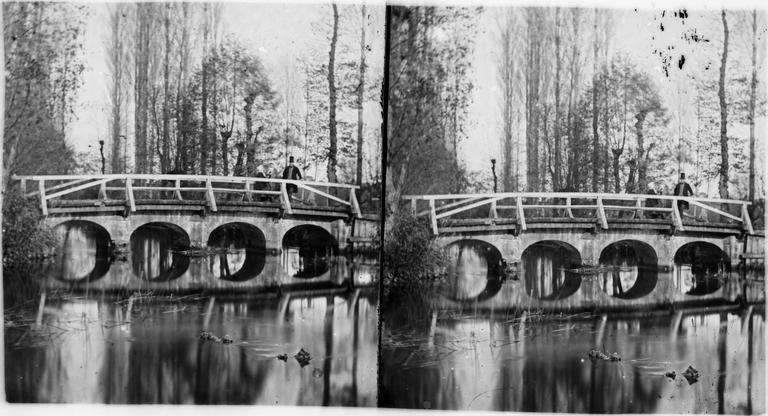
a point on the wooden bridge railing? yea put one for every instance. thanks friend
(131, 187)
(599, 207)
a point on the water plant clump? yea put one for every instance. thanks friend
(25, 237)
(414, 266)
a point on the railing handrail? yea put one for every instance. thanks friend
(200, 178)
(583, 195)
(75, 183)
(467, 202)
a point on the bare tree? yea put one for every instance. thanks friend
(723, 114)
(752, 99)
(556, 179)
(142, 51)
(595, 138)
(360, 102)
(332, 147)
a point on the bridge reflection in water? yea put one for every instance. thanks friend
(235, 259)
(529, 363)
(95, 325)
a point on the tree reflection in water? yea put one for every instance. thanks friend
(148, 352)
(524, 364)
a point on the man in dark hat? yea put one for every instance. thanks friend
(683, 189)
(291, 172)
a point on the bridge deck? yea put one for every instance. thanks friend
(519, 211)
(127, 193)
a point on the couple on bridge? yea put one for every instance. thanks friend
(682, 188)
(291, 172)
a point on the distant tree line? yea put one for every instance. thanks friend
(185, 98)
(201, 104)
(574, 113)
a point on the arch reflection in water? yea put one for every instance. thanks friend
(632, 269)
(548, 270)
(700, 268)
(308, 251)
(240, 251)
(475, 270)
(155, 251)
(82, 252)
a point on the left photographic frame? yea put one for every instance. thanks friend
(191, 202)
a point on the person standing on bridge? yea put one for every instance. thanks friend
(291, 172)
(683, 189)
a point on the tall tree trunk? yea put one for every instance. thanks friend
(249, 146)
(166, 145)
(556, 179)
(507, 75)
(182, 123)
(143, 11)
(573, 96)
(332, 149)
(204, 95)
(360, 100)
(532, 101)
(642, 153)
(595, 138)
(723, 114)
(116, 64)
(752, 95)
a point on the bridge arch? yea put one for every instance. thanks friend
(548, 269)
(699, 267)
(240, 251)
(83, 251)
(634, 269)
(475, 271)
(156, 251)
(308, 250)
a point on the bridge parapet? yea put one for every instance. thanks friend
(520, 211)
(129, 193)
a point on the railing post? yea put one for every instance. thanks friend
(676, 218)
(43, 200)
(433, 216)
(746, 220)
(521, 213)
(285, 198)
(23, 186)
(413, 205)
(601, 213)
(354, 204)
(248, 189)
(210, 195)
(103, 191)
(568, 207)
(177, 191)
(129, 194)
(639, 204)
(493, 213)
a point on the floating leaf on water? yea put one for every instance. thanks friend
(671, 374)
(302, 357)
(691, 374)
(599, 355)
(282, 357)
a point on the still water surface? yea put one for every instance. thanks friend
(539, 362)
(526, 363)
(90, 328)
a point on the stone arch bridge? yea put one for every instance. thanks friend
(195, 206)
(667, 237)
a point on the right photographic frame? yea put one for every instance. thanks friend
(574, 217)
